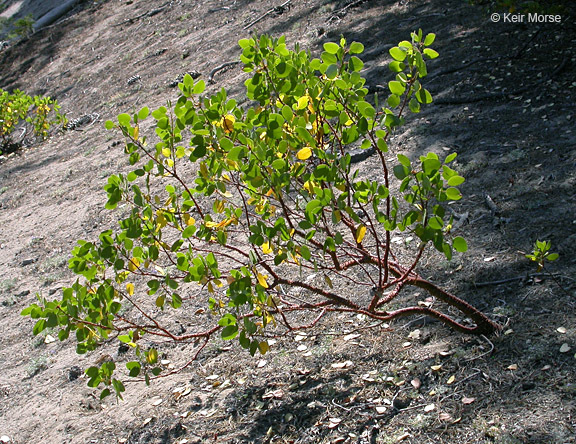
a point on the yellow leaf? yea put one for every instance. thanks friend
(136, 132)
(228, 123)
(133, 264)
(130, 288)
(262, 280)
(166, 152)
(263, 347)
(360, 233)
(188, 220)
(304, 153)
(266, 248)
(451, 380)
(302, 102)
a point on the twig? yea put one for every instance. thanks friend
(219, 68)
(502, 94)
(342, 12)
(482, 354)
(280, 9)
(146, 14)
(519, 278)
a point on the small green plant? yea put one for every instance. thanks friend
(22, 27)
(40, 112)
(262, 219)
(542, 254)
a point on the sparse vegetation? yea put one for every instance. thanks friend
(275, 207)
(41, 113)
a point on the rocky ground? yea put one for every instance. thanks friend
(504, 100)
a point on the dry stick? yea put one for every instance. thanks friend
(219, 68)
(267, 13)
(502, 94)
(146, 14)
(519, 278)
(517, 55)
(485, 353)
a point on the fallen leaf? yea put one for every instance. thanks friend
(429, 407)
(436, 367)
(157, 400)
(416, 383)
(509, 331)
(451, 380)
(513, 367)
(262, 363)
(345, 364)
(561, 330)
(414, 334)
(489, 259)
(380, 409)
(276, 394)
(300, 337)
(466, 400)
(147, 421)
(351, 336)
(48, 340)
(334, 422)
(212, 377)
(445, 416)
(302, 347)
(406, 344)
(565, 348)
(403, 437)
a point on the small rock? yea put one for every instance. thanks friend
(5, 439)
(401, 403)
(27, 262)
(74, 373)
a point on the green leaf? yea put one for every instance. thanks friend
(424, 96)
(398, 53)
(133, 368)
(552, 256)
(430, 53)
(124, 119)
(429, 39)
(459, 244)
(355, 64)
(332, 71)
(356, 48)
(229, 332)
(199, 87)
(414, 106)
(455, 181)
(453, 194)
(396, 87)
(143, 113)
(331, 47)
(404, 161)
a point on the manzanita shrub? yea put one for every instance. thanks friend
(17, 107)
(252, 222)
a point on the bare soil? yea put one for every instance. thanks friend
(505, 97)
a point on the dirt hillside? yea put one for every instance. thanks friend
(505, 96)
